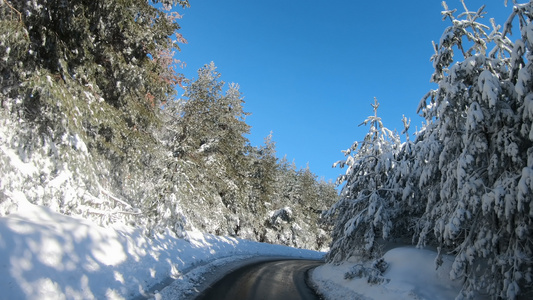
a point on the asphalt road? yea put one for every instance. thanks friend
(272, 280)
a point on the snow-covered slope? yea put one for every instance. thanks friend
(411, 274)
(46, 255)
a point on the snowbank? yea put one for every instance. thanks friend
(46, 255)
(411, 274)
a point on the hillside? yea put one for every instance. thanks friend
(92, 126)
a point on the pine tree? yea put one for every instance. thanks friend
(213, 128)
(88, 107)
(210, 144)
(263, 170)
(466, 181)
(475, 153)
(82, 84)
(367, 208)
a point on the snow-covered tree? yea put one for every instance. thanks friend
(296, 207)
(82, 82)
(212, 129)
(465, 184)
(263, 169)
(367, 206)
(90, 125)
(213, 168)
(475, 151)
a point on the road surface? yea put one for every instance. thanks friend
(282, 279)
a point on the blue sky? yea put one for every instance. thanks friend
(309, 69)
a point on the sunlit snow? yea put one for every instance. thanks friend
(46, 255)
(411, 274)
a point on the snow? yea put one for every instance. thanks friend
(47, 255)
(411, 274)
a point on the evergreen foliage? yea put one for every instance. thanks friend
(368, 206)
(82, 82)
(477, 113)
(245, 187)
(212, 129)
(90, 125)
(464, 185)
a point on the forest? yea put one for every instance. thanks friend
(464, 184)
(89, 105)
(89, 99)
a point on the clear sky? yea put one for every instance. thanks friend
(309, 69)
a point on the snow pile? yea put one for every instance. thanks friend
(46, 255)
(411, 274)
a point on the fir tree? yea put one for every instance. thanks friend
(212, 133)
(82, 83)
(480, 213)
(465, 182)
(366, 209)
(263, 170)
(89, 108)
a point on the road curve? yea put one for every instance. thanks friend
(281, 279)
